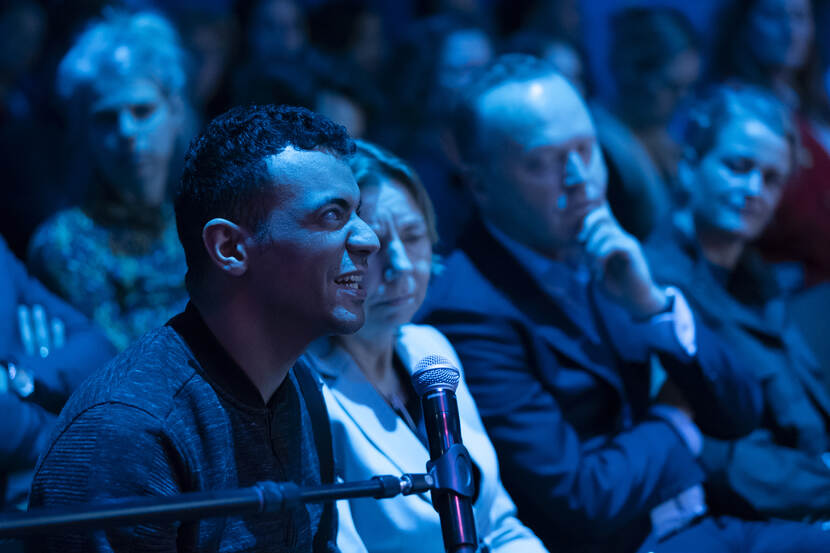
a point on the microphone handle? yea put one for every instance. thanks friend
(443, 430)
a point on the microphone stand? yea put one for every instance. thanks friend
(263, 497)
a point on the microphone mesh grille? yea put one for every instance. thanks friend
(435, 372)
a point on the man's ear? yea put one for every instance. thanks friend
(226, 245)
(476, 182)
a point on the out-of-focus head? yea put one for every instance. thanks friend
(267, 205)
(564, 56)
(771, 43)
(343, 109)
(462, 51)
(530, 150)
(562, 18)
(740, 149)
(275, 29)
(779, 33)
(437, 59)
(397, 207)
(124, 79)
(655, 61)
(23, 26)
(350, 29)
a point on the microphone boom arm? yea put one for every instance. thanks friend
(262, 497)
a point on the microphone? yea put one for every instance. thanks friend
(435, 380)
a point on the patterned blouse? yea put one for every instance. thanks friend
(128, 280)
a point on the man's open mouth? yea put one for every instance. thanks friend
(352, 281)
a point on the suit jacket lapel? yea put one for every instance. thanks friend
(390, 435)
(559, 327)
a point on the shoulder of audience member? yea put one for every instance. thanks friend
(58, 233)
(147, 376)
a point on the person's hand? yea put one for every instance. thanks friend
(617, 259)
(39, 333)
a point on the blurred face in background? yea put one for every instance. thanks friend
(277, 30)
(132, 131)
(567, 61)
(540, 168)
(22, 33)
(343, 110)
(781, 32)
(672, 84)
(737, 185)
(463, 51)
(399, 272)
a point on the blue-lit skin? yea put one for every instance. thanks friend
(737, 185)
(398, 275)
(132, 131)
(463, 51)
(276, 30)
(541, 180)
(311, 240)
(782, 33)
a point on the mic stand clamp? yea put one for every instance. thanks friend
(452, 472)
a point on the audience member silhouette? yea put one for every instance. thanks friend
(116, 257)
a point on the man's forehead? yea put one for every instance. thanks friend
(533, 113)
(313, 172)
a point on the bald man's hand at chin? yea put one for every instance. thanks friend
(617, 260)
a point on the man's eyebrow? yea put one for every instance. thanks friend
(337, 200)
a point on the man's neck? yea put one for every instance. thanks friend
(719, 248)
(568, 254)
(264, 352)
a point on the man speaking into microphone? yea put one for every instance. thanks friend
(378, 423)
(276, 254)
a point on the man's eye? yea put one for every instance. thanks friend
(333, 214)
(143, 111)
(739, 165)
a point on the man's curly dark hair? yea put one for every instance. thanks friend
(225, 172)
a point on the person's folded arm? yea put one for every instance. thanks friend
(85, 347)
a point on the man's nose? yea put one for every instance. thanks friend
(127, 125)
(362, 239)
(576, 173)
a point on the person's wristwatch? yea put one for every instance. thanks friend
(19, 380)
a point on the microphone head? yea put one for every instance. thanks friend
(435, 372)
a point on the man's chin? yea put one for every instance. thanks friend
(345, 321)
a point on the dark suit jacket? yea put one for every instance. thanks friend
(27, 424)
(777, 470)
(567, 406)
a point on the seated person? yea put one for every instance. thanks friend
(47, 348)
(213, 400)
(740, 151)
(777, 45)
(116, 258)
(554, 313)
(655, 62)
(376, 414)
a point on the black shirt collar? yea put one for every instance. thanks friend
(214, 362)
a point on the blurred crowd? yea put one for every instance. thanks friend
(95, 121)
